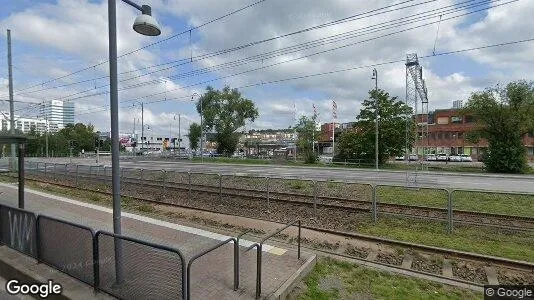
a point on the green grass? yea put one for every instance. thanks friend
(334, 279)
(412, 196)
(483, 240)
(510, 204)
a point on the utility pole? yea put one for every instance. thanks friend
(179, 134)
(375, 77)
(11, 105)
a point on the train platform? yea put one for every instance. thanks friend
(212, 276)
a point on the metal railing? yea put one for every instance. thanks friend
(315, 196)
(259, 253)
(146, 270)
(217, 246)
(89, 256)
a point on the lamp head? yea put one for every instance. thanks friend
(145, 24)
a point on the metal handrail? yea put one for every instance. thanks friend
(138, 241)
(259, 255)
(236, 263)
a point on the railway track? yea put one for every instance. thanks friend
(474, 218)
(411, 260)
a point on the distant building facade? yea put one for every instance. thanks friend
(60, 113)
(26, 124)
(447, 133)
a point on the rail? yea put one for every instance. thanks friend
(259, 254)
(236, 263)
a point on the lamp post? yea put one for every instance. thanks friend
(179, 133)
(201, 126)
(145, 25)
(375, 77)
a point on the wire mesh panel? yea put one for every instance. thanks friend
(67, 247)
(17, 230)
(146, 270)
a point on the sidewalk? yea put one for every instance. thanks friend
(212, 275)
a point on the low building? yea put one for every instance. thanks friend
(448, 131)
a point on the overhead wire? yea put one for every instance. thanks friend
(393, 61)
(250, 44)
(293, 59)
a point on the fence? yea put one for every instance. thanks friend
(67, 246)
(17, 230)
(143, 271)
(335, 204)
(148, 270)
(124, 267)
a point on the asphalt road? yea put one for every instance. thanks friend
(490, 182)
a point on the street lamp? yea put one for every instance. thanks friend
(375, 77)
(146, 25)
(179, 133)
(201, 127)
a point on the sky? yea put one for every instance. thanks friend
(51, 39)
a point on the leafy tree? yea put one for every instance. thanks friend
(224, 112)
(360, 144)
(194, 135)
(306, 130)
(504, 116)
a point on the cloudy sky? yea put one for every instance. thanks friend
(268, 47)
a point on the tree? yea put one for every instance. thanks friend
(306, 131)
(224, 112)
(194, 135)
(504, 116)
(360, 144)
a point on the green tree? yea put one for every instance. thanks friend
(504, 116)
(307, 132)
(224, 112)
(393, 114)
(194, 135)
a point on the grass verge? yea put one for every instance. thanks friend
(335, 279)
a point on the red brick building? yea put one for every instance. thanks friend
(447, 134)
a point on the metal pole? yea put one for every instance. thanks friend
(374, 206)
(375, 74)
(11, 104)
(450, 211)
(201, 133)
(21, 175)
(142, 127)
(114, 108)
(179, 134)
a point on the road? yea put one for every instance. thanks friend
(489, 182)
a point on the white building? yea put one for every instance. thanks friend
(25, 124)
(58, 112)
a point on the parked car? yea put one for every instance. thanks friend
(400, 157)
(466, 157)
(414, 157)
(442, 157)
(431, 157)
(455, 158)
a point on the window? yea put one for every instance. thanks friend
(456, 119)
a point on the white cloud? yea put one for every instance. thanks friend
(78, 29)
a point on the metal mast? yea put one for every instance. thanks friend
(417, 99)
